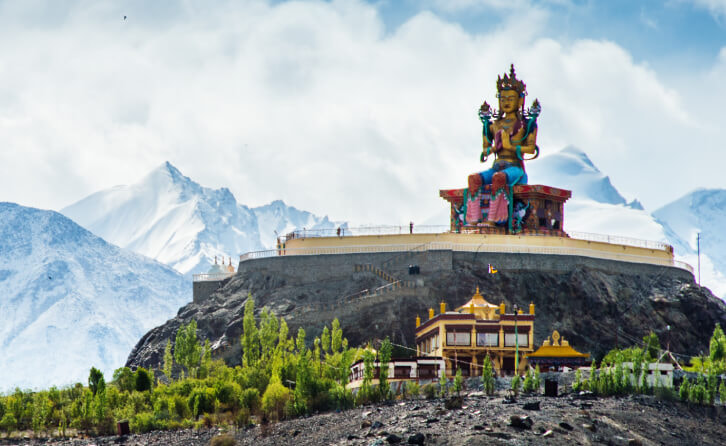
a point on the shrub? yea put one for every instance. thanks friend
(250, 399)
(228, 393)
(183, 388)
(442, 385)
(123, 378)
(429, 391)
(528, 385)
(8, 423)
(340, 397)
(181, 407)
(255, 377)
(201, 400)
(413, 389)
(274, 400)
(697, 392)
(223, 440)
(365, 395)
(711, 387)
(577, 385)
(163, 408)
(594, 378)
(685, 390)
(665, 393)
(487, 376)
(457, 382)
(516, 384)
(142, 380)
(142, 422)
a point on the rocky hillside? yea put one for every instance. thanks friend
(595, 304)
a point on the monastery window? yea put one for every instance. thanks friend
(487, 339)
(427, 371)
(509, 340)
(458, 338)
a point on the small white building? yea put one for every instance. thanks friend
(420, 369)
(660, 371)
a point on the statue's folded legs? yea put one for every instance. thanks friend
(514, 173)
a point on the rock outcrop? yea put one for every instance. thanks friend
(595, 304)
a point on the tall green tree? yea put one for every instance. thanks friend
(384, 358)
(95, 380)
(168, 360)
(250, 336)
(487, 376)
(652, 346)
(336, 342)
(717, 346)
(325, 339)
(124, 379)
(187, 350)
(269, 333)
(365, 392)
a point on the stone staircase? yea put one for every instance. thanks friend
(392, 282)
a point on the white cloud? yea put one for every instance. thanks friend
(315, 103)
(717, 8)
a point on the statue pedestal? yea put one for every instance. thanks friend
(544, 216)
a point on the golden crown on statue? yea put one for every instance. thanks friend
(510, 82)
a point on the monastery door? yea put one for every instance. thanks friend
(507, 366)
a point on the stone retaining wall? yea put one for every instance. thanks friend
(303, 269)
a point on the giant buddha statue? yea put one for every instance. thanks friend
(510, 135)
(499, 200)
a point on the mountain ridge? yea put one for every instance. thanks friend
(170, 217)
(69, 300)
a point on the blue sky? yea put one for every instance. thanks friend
(357, 109)
(659, 32)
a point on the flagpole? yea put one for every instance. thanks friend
(516, 343)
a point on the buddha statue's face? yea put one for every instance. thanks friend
(509, 101)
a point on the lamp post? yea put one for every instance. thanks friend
(516, 341)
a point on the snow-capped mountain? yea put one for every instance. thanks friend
(69, 300)
(170, 218)
(572, 169)
(701, 211)
(596, 205)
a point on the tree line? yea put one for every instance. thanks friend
(280, 377)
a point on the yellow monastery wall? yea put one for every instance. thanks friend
(496, 242)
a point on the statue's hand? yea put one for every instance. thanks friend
(505, 141)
